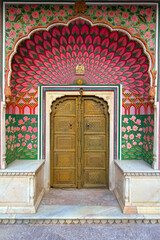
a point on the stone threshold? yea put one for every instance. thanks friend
(49, 214)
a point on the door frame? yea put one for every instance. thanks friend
(51, 94)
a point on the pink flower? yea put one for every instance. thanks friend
(131, 136)
(35, 129)
(134, 143)
(149, 12)
(116, 19)
(142, 12)
(98, 13)
(25, 17)
(9, 146)
(149, 118)
(28, 28)
(150, 129)
(20, 122)
(111, 14)
(11, 17)
(140, 143)
(8, 129)
(49, 13)
(128, 22)
(26, 118)
(150, 146)
(18, 144)
(135, 128)
(62, 13)
(147, 35)
(12, 147)
(90, 11)
(33, 120)
(27, 8)
(125, 120)
(144, 137)
(129, 145)
(32, 22)
(27, 137)
(34, 5)
(151, 44)
(123, 146)
(44, 19)
(138, 122)
(8, 25)
(123, 129)
(133, 9)
(33, 137)
(18, 11)
(12, 34)
(149, 19)
(132, 30)
(23, 144)
(118, 12)
(35, 14)
(143, 27)
(12, 10)
(20, 136)
(10, 118)
(125, 15)
(29, 129)
(23, 128)
(69, 11)
(35, 145)
(129, 128)
(42, 11)
(10, 137)
(56, 7)
(152, 26)
(126, 6)
(14, 120)
(17, 25)
(29, 146)
(18, 128)
(133, 118)
(146, 147)
(6, 122)
(138, 135)
(94, 6)
(125, 136)
(148, 138)
(152, 122)
(65, 6)
(104, 8)
(140, 129)
(152, 138)
(8, 43)
(134, 18)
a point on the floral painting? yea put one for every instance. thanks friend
(137, 137)
(139, 19)
(21, 137)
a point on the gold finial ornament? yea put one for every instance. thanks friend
(152, 91)
(80, 7)
(8, 94)
(80, 69)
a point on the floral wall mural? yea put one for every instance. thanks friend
(21, 137)
(50, 58)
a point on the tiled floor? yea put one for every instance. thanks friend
(82, 197)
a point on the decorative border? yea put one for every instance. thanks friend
(146, 220)
(42, 115)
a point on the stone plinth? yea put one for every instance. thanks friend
(21, 186)
(137, 187)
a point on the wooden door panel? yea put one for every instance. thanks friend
(94, 143)
(94, 160)
(94, 178)
(63, 160)
(64, 142)
(64, 178)
(64, 125)
(94, 124)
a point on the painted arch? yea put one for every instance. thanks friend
(48, 56)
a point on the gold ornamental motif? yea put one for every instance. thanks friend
(80, 69)
(80, 7)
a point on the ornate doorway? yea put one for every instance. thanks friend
(79, 142)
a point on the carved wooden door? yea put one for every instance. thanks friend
(79, 143)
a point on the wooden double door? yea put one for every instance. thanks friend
(79, 142)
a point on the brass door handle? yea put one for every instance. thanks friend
(70, 125)
(87, 125)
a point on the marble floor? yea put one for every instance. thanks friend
(82, 197)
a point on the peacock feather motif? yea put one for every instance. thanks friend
(109, 57)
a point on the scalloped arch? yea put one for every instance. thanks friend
(48, 55)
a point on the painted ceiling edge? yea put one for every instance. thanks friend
(103, 23)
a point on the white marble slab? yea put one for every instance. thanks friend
(135, 166)
(23, 166)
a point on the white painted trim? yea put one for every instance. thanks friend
(107, 96)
